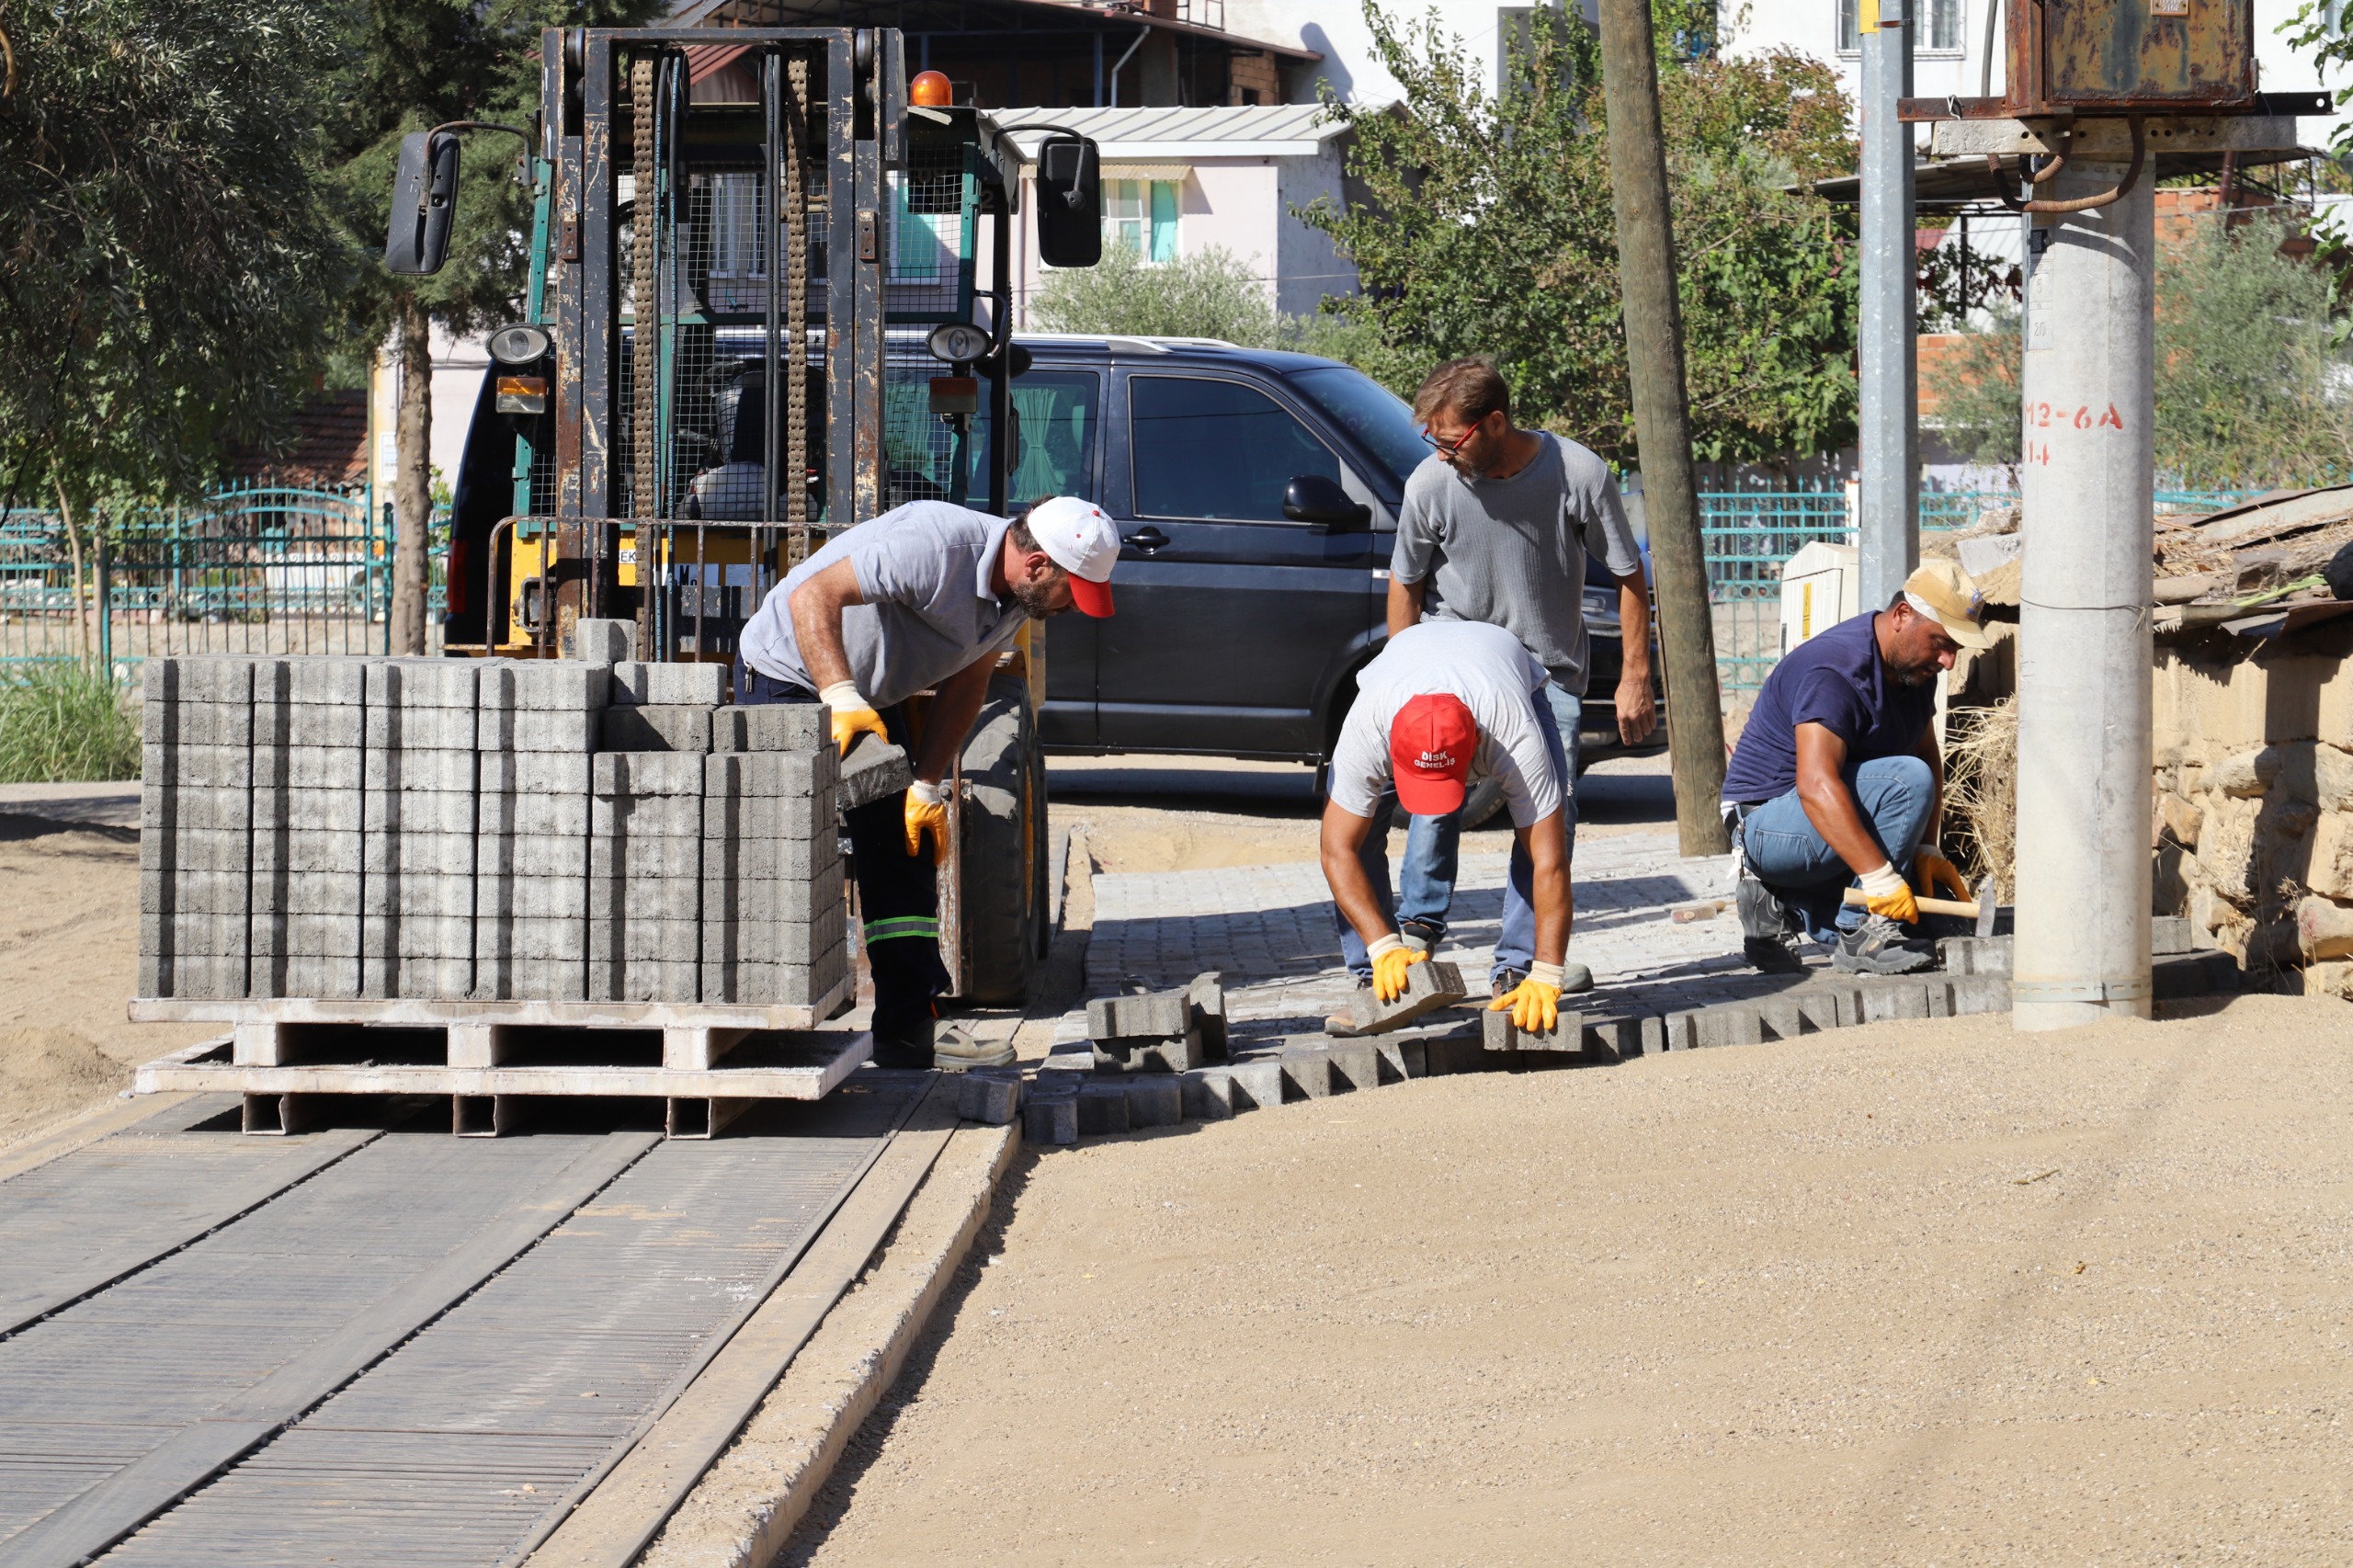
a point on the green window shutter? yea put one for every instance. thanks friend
(1164, 221)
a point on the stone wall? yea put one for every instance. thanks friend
(2253, 806)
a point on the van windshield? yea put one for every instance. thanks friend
(1371, 412)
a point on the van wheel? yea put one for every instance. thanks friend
(1485, 799)
(1003, 848)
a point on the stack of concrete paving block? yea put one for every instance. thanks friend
(645, 877)
(309, 883)
(196, 813)
(1165, 1031)
(536, 731)
(419, 829)
(775, 928)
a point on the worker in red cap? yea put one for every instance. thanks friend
(1447, 701)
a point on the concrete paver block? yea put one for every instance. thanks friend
(1208, 1094)
(784, 776)
(1153, 1102)
(1980, 993)
(1156, 1016)
(1180, 1053)
(1429, 985)
(646, 774)
(675, 727)
(1206, 997)
(872, 771)
(1894, 997)
(1497, 1032)
(1354, 1065)
(422, 729)
(637, 683)
(1457, 1053)
(771, 726)
(1308, 1070)
(327, 681)
(1256, 1084)
(603, 642)
(1401, 1059)
(196, 723)
(1053, 1120)
(2170, 934)
(1102, 1108)
(1973, 955)
(1620, 1036)
(989, 1097)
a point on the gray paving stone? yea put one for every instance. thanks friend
(549, 979)
(325, 724)
(871, 770)
(770, 726)
(331, 936)
(558, 774)
(1102, 1108)
(655, 684)
(1354, 1064)
(1051, 1120)
(1497, 1032)
(423, 683)
(198, 679)
(643, 776)
(410, 728)
(604, 642)
(1155, 1101)
(1894, 997)
(324, 976)
(545, 686)
(337, 681)
(1457, 1053)
(1181, 1053)
(1621, 1036)
(2171, 935)
(1208, 1094)
(991, 1097)
(1973, 955)
(1980, 993)
(196, 723)
(1308, 1070)
(411, 853)
(216, 810)
(1160, 1014)
(1429, 985)
(534, 729)
(1256, 1085)
(664, 728)
(1207, 997)
(780, 775)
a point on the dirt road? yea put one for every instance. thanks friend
(1914, 1293)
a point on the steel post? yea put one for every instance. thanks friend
(1888, 531)
(2088, 472)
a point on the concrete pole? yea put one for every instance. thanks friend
(1646, 272)
(1888, 531)
(2087, 471)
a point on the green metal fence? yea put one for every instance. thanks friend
(256, 568)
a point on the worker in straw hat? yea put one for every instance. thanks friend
(1838, 781)
(1445, 702)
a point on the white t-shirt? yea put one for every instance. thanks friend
(1493, 675)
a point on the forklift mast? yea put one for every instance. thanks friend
(744, 243)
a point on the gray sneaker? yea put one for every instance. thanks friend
(1768, 938)
(953, 1050)
(1877, 947)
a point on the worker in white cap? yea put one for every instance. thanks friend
(922, 598)
(1838, 781)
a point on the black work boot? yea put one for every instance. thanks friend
(1877, 947)
(1768, 938)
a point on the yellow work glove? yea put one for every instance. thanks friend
(1886, 893)
(852, 716)
(926, 813)
(1932, 871)
(1391, 959)
(1535, 1003)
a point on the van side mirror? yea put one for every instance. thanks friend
(1318, 498)
(424, 202)
(1070, 202)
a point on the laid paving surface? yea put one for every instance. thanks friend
(1269, 929)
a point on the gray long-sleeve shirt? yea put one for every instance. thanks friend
(1511, 552)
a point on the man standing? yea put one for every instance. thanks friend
(1495, 528)
(921, 598)
(1444, 702)
(1837, 781)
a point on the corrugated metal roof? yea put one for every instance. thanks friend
(1127, 135)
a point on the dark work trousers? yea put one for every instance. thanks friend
(898, 894)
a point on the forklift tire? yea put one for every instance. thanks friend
(1003, 848)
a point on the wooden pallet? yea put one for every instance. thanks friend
(710, 1063)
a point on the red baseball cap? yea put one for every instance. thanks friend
(1431, 743)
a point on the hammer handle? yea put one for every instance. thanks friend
(1967, 911)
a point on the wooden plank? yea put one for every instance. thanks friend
(136, 1494)
(809, 1083)
(615, 1522)
(414, 1011)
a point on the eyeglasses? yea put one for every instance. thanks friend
(1449, 448)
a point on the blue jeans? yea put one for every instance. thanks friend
(1894, 794)
(1432, 850)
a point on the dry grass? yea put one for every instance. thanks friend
(1981, 791)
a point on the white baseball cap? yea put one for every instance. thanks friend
(1078, 537)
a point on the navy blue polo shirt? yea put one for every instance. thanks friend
(1836, 680)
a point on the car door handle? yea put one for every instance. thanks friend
(1147, 539)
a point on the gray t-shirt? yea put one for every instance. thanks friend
(1495, 678)
(924, 571)
(1511, 552)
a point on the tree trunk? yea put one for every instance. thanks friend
(73, 548)
(412, 480)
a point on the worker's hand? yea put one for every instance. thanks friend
(1389, 967)
(1932, 871)
(926, 813)
(852, 715)
(1535, 1003)
(1637, 709)
(1886, 893)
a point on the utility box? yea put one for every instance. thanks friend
(1821, 585)
(2130, 56)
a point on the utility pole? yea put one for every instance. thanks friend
(1646, 277)
(1888, 531)
(2087, 470)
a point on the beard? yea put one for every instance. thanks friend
(1037, 598)
(1916, 675)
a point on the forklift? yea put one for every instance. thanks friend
(754, 318)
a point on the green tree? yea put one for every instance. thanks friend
(2249, 374)
(1211, 293)
(410, 65)
(169, 267)
(1487, 228)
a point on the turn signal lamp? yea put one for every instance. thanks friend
(931, 89)
(522, 394)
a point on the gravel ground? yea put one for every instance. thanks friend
(1920, 1293)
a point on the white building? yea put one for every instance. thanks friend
(1177, 182)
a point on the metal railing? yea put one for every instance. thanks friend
(258, 569)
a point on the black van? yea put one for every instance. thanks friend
(1257, 496)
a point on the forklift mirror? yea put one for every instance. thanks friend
(1070, 202)
(424, 201)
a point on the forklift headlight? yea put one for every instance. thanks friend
(522, 394)
(519, 346)
(958, 343)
